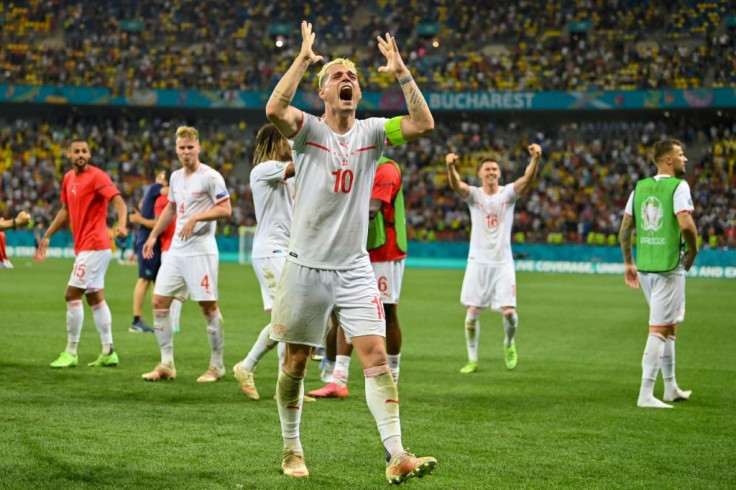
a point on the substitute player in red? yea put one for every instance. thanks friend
(85, 193)
(387, 245)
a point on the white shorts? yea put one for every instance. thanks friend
(305, 297)
(268, 271)
(195, 275)
(665, 294)
(487, 285)
(388, 279)
(89, 270)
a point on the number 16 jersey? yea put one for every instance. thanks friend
(492, 218)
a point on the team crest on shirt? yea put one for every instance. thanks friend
(652, 214)
(278, 329)
(74, 189)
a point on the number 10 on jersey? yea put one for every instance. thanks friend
(343, 180)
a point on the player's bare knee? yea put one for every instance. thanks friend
(508, 312)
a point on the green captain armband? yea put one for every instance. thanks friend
(393, 131)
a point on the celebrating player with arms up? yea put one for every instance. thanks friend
(327, 266)
(490, 279)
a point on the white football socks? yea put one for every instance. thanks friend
(217, 339)
(383, 401)
(393, 365)
(103, 322)
(260, 348)
(74, 321)
(650, 363)
(164, 334)
(289, 397)
(672, 392)
(472, 334)
(510, 324)
(341, 371)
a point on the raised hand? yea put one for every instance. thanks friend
(535, 150)
(394, 64)
(308, 36)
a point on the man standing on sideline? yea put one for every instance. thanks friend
(147, 268)
(22, 219)
(490, 278)
(327, 267)
(387, 245)
(197, 197)
(85, 193)
(659, 209)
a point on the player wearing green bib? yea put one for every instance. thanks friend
(659, 209)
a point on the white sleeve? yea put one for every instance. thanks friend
(629, 209)
(470, 199)
(217, 188)
(682, 200)
(269, 171)
(380, 128)
(302, 136)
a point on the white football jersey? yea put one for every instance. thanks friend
(197, 193)
(273, 201)
(334, 180)
(492, 218)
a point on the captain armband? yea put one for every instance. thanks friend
(393, 131)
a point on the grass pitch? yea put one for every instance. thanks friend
(565, 418)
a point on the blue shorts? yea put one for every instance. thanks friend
(148, 268)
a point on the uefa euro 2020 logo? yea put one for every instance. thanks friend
(652, 214)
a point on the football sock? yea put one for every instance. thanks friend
(217, 339)
(175, 312)
(510, 323)
(103, 322)
(289, 395)
(164, 334)
(650, 364)
(668, 368)
(74, 321)
(383, 401)
(341, 371)
(393, 364)
(263, 344)
(136, 319)
(472, 334)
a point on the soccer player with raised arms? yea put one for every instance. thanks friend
(660, 210)
(490, 278)
(85, 193)
(327, 267)
(197, 197)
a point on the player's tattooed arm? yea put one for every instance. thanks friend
(626, 238)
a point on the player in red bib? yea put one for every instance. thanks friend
(85, 193)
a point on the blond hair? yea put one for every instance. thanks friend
(337, 61)
(187, 133)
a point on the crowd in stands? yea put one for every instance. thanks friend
(125, 45)
(587, 171)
